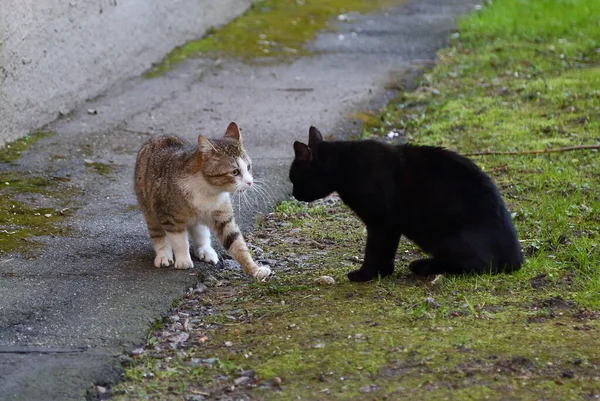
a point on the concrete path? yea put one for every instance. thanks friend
(67, 314)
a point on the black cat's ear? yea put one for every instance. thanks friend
(314, 137)
(233, 132)
(302, 152)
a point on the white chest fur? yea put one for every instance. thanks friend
(203, 198)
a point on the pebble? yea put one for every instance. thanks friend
(101, 389)
(228, 344)
(325, 280)
(179, 338)
(370, 388)
(200, 288)
(432, 302)
(277, 381)
(240, 381)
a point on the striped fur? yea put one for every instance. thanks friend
(184, 189)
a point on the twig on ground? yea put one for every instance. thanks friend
(536, 151)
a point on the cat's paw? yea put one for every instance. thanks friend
(163, 261)
(206, 254)
(184, 263)
(426, 267)
(362, 275)
(262, 273)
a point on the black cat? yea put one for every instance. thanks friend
(438, 199)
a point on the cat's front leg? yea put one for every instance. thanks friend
(201, 247)
(181, 249)
(228, 232)
(380, 252)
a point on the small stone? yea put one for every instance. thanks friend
(228, 344)
(358, 336)
(200, 288)
(174, 318)
(435, 92)
(432, 302)
(101, 389)
(196, 398)
(325, 280)
(248, 373)
(240, 381)
(137, 351)
(126, 361)
(369, 389)
(179, 338)
(319, 345)
(92, 111)
(277, 381)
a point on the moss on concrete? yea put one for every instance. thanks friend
(31, 204)
(100, 168)
(12, 151)
(271, 31)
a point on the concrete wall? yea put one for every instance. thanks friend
(54, 54)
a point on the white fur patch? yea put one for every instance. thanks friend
(246, 178)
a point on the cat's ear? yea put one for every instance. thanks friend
(233, 132)
(205, 145)
(302, 152)
(314, 137)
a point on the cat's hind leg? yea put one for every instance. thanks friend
(181, 248)
(164, 252)
(160, 243)
(467, 252)
(201, 247)
(429, 266)
(379, 255)
(425, 267)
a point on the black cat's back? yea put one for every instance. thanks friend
(451, 197)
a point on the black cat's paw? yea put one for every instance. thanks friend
(362, 275)
(386, 271)
(426, 267)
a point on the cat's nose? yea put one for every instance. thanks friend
(249, 183)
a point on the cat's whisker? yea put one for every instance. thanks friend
(263, 192)
(260, 196)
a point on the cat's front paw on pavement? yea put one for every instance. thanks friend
(185, 263)
(163, 261)
(262, 273)
(207, 254)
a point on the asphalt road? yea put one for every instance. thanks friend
(67, 314)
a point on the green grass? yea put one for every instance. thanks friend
(502, 85)
(271, 31)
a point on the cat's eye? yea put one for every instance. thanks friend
(236, 171)
(249, 167)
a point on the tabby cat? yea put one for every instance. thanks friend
(183, 188)
(438, 199)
